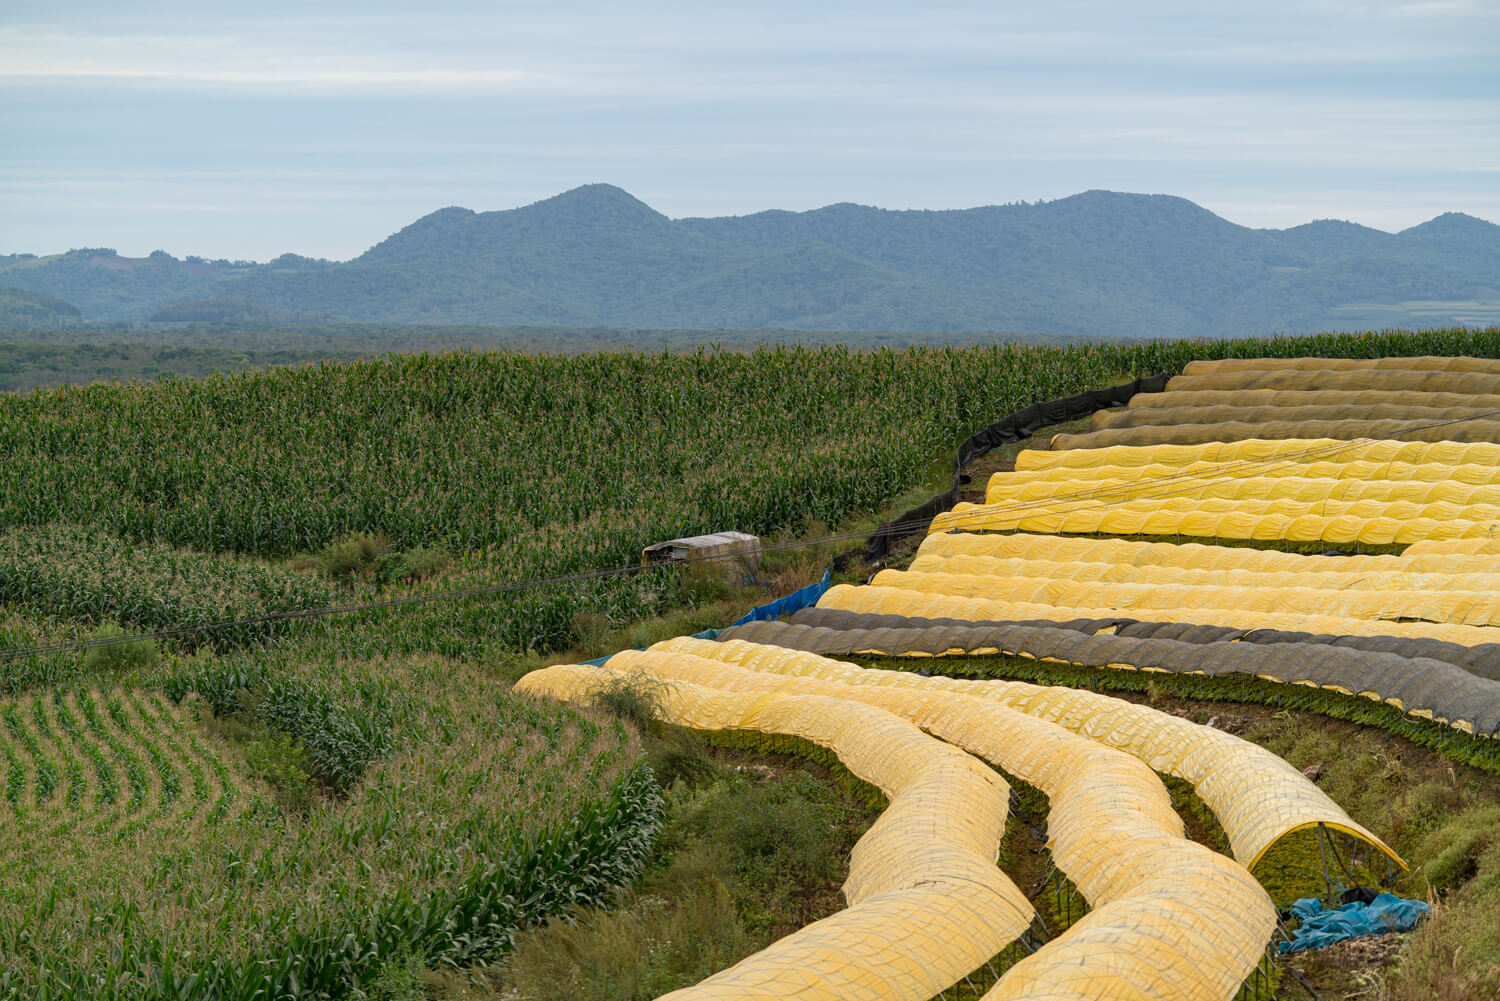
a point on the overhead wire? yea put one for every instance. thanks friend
(889, 530)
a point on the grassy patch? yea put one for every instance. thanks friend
(750, 851)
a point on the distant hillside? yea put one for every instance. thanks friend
(236, 311)
(106, 287)
(1099, 263)
(24, 310)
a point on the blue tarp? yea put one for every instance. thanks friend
(794, 602)
(1319, 928)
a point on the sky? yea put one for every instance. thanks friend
(249, 130)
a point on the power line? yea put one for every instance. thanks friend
(7, 653)
(889, 529)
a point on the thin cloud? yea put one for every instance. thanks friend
(237, 61)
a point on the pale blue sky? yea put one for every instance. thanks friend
(322, 128)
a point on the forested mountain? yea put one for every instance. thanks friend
(1098, 263)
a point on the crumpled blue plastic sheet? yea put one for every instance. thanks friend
(794, 602)
(1320, 927)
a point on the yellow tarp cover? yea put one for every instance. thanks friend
(1111, 828)
(1262, 521)
(1470, 608)
(1252, 492)
(1193, 473)
(1378, 380)
(1448, 430)
(1452, 547)
(1258, 412)
(1461, 556)
(1303, 398)
(1305, 490)
(1185, 499)
(1415, 363)
(1447, 453)
(927, 902)
(1483, 583)
(1429, 399)
(900, 601)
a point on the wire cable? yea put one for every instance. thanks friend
(889, 529)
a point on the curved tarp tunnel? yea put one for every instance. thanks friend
(1259, 412)
(1465, 430)
(1257, 797)
(928, 905)
(1169, 917)
(1378, 380)
(1012, 427)
(1449, 693)
(1415, 363)
(1308, 398)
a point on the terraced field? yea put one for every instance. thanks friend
(298, 809)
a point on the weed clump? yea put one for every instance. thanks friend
(638, 699)
(370, 557)
(749, 854)
(120, 656)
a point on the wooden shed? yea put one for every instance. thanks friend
(736, 554)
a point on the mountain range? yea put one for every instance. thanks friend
(1099, 263)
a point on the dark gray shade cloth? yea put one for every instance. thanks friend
(1420, 684)
(1482, 660)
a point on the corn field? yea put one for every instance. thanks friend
(526, 466)
(92, 578)
(144, 860)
